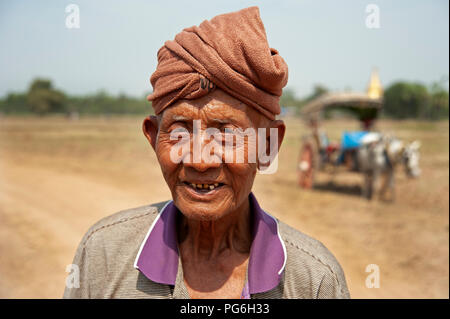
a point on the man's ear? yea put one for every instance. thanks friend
(150, 129)
(281, 128)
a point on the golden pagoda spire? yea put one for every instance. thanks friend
(374, 90)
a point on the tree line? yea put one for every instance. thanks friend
(402, 100)
(42, 98)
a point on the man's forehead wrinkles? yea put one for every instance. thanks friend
(177, 117)
(227, 116)
(230, 105)
(221, 121)
(212, 111)
(182, 112)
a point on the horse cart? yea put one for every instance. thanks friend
(373, 154)
(317, 153)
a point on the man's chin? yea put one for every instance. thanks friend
(202, 211)
(203, 206)
(203, 216)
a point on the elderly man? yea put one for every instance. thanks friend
(213, 240)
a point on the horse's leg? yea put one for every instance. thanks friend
(376, 182)
(384, 186)
(368, 185)
(364, 187)
(392, 184)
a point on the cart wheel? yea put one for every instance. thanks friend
(305, 167)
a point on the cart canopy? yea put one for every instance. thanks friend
(364, 106)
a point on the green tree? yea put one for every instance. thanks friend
(14, 103)
(288, 98)
(406, 100)
(318, 91)
(438, 106)
(42, 98)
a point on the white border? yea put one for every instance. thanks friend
(281, 240)
(148, 234)
(162, 211)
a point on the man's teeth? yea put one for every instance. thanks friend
(205, 186)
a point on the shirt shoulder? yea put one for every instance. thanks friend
(106, 253)
(123, 222)
(312, 271)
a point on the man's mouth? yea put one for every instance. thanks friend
(204, 187)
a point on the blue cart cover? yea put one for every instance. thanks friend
(352, 140)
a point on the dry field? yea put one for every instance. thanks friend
(58, 177)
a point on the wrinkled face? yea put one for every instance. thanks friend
(207, 190)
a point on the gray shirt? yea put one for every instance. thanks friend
(107, 257)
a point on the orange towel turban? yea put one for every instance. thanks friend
(231, 52)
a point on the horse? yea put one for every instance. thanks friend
(377, 158)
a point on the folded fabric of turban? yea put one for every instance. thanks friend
(230, 52)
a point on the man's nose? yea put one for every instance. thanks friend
(205, 154)
(201, 166)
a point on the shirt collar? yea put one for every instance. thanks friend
(158, 255)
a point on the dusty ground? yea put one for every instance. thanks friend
(58, 177)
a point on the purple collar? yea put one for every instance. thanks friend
(158, 256)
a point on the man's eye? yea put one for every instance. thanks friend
(178, 130)
(228, 129)
(179, 133)
(177, 127)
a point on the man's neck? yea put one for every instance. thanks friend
(209, 239)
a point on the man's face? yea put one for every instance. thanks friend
(205, 190)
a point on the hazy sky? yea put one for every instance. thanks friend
(322, 41)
